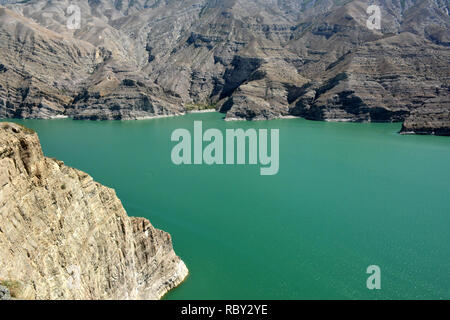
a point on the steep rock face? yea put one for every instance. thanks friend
(39, 68)
(266, 93)
(431, 119)
(50, 73)
(381, 81)
(255, 59)
(65, 236)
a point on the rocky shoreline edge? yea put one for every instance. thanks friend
(64, 236)
(406, 128)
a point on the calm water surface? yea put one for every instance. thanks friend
(347, 196)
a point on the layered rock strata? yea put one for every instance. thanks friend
(253, 59)
(65, 236)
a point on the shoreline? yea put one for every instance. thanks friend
(255, 120)
(181, 275)
(150, 117)
(181, 266)
(233, 119)
(202, 111)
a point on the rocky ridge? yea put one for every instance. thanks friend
(65, 236)
(254, 59)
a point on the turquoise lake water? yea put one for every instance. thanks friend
(347, 196)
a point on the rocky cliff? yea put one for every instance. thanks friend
(65, 236)
(254, 59)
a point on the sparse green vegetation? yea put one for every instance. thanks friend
(26, 130)
(13, 287)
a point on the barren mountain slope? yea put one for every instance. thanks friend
(255, 59)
